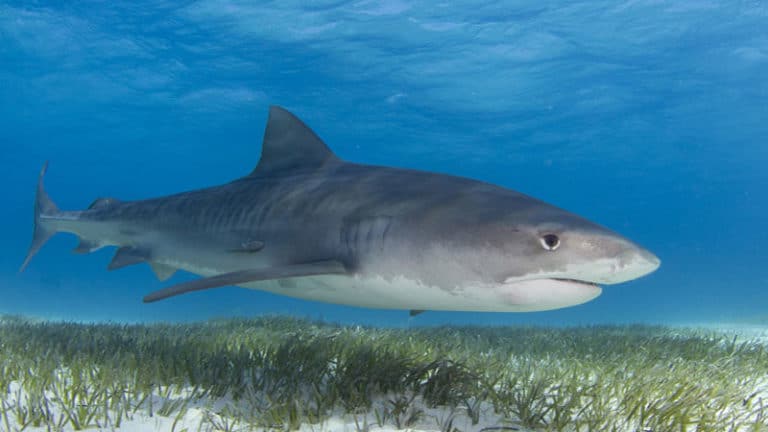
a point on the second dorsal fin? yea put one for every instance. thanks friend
(290, 145)
(103, 203)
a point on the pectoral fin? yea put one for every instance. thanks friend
(245, 276)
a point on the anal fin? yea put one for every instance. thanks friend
(128, 255)
(245, 276)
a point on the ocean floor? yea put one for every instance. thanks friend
(278, 373)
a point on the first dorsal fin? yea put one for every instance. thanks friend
(290, 145)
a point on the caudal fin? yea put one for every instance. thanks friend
(44, 207)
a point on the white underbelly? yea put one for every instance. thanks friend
(371, 291)
(402, 293)
(381, 293)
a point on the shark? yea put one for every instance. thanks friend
(307, 224)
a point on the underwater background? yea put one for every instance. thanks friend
(649, 117)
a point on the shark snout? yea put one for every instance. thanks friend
(632, 263)
(650, 259)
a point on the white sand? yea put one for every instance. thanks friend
(201, 414)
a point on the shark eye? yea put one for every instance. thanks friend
(550, 242)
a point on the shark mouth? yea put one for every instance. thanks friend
(576, 281)
(586, 283)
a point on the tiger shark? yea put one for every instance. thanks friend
(305, 223)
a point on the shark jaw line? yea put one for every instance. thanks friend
(540, 294)
(576, 281)
(544, 278)
(604, 271)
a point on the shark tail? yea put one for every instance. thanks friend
(44, 209)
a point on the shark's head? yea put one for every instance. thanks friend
(528, 255)
(552, 258)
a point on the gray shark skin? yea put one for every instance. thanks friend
(307, 224)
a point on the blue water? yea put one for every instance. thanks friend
(649, 117)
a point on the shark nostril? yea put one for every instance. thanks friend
(632, 263)
(643, 258)
(652, 259)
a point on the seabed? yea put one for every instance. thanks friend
(288, 374)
